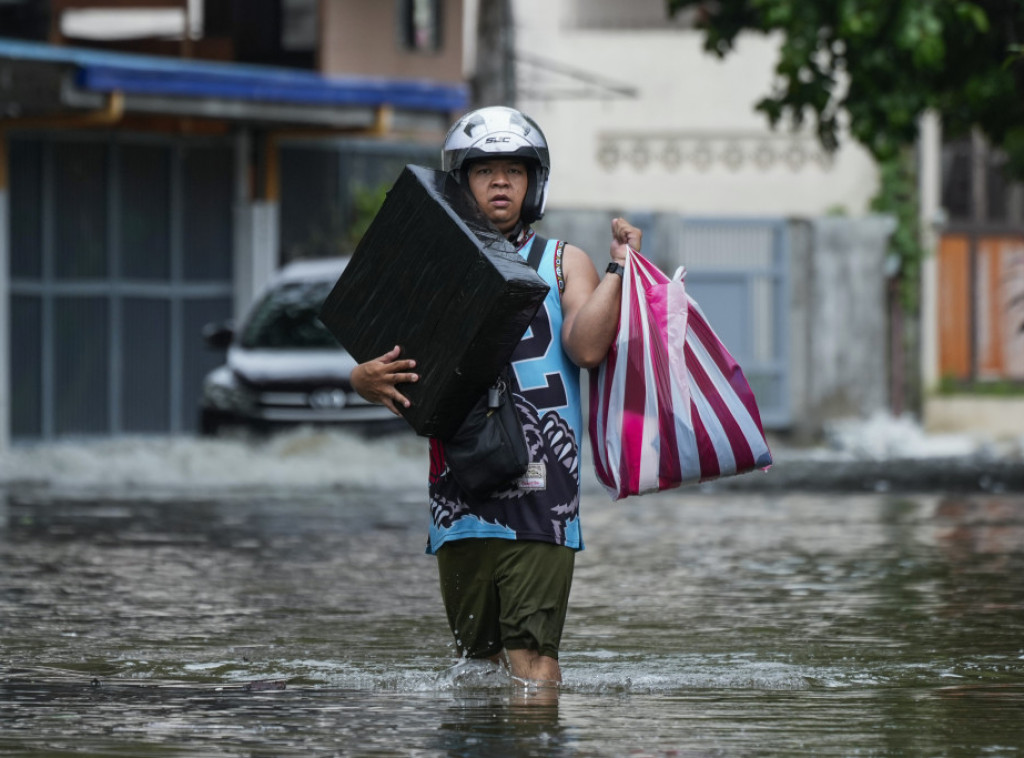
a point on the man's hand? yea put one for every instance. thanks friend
(590, 304)
(624, 235)
(375, 380)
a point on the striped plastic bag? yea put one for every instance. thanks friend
(669, 405)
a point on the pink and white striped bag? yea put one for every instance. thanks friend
(669, 405)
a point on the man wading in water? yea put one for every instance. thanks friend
(506, 563)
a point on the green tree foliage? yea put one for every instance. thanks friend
(337, 232)
(367, 202)
(873, 67)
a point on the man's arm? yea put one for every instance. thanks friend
(590, 304)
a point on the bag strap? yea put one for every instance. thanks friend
(537, 251)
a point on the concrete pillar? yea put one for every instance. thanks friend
(931, 217)
(806, 426)
(5, 302)
(847, 359)
(257, 233)
(257, 228)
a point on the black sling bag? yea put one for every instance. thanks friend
(488, 452)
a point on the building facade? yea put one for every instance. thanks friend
(643, 122)
(149, 186)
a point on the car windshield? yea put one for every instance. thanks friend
(286, 318)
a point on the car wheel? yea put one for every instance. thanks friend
(210, 422)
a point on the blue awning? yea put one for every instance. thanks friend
(147, 75)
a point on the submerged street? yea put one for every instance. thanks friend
(230, 598)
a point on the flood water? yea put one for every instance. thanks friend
(216, 599)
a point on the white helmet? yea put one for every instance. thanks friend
(500, 132)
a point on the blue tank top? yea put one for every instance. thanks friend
(544, 504)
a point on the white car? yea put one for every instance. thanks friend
(283, 366)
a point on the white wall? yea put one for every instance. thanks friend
(686, 98)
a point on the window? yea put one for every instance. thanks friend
(968, 163)
(636, 14)
(298, 25)
(420, 25)
(287, 318)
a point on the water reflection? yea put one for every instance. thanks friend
(700, 624)
(485, 727)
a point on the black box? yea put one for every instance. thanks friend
(433, 275)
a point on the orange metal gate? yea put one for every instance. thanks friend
(981, 307)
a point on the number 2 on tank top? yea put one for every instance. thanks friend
(542, 390)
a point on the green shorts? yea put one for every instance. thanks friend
(504, 594)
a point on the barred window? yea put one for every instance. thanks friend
(420, 25)
(968, 163)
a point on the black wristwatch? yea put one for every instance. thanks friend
(615, 268)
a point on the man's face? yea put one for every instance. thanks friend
(499, 186)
